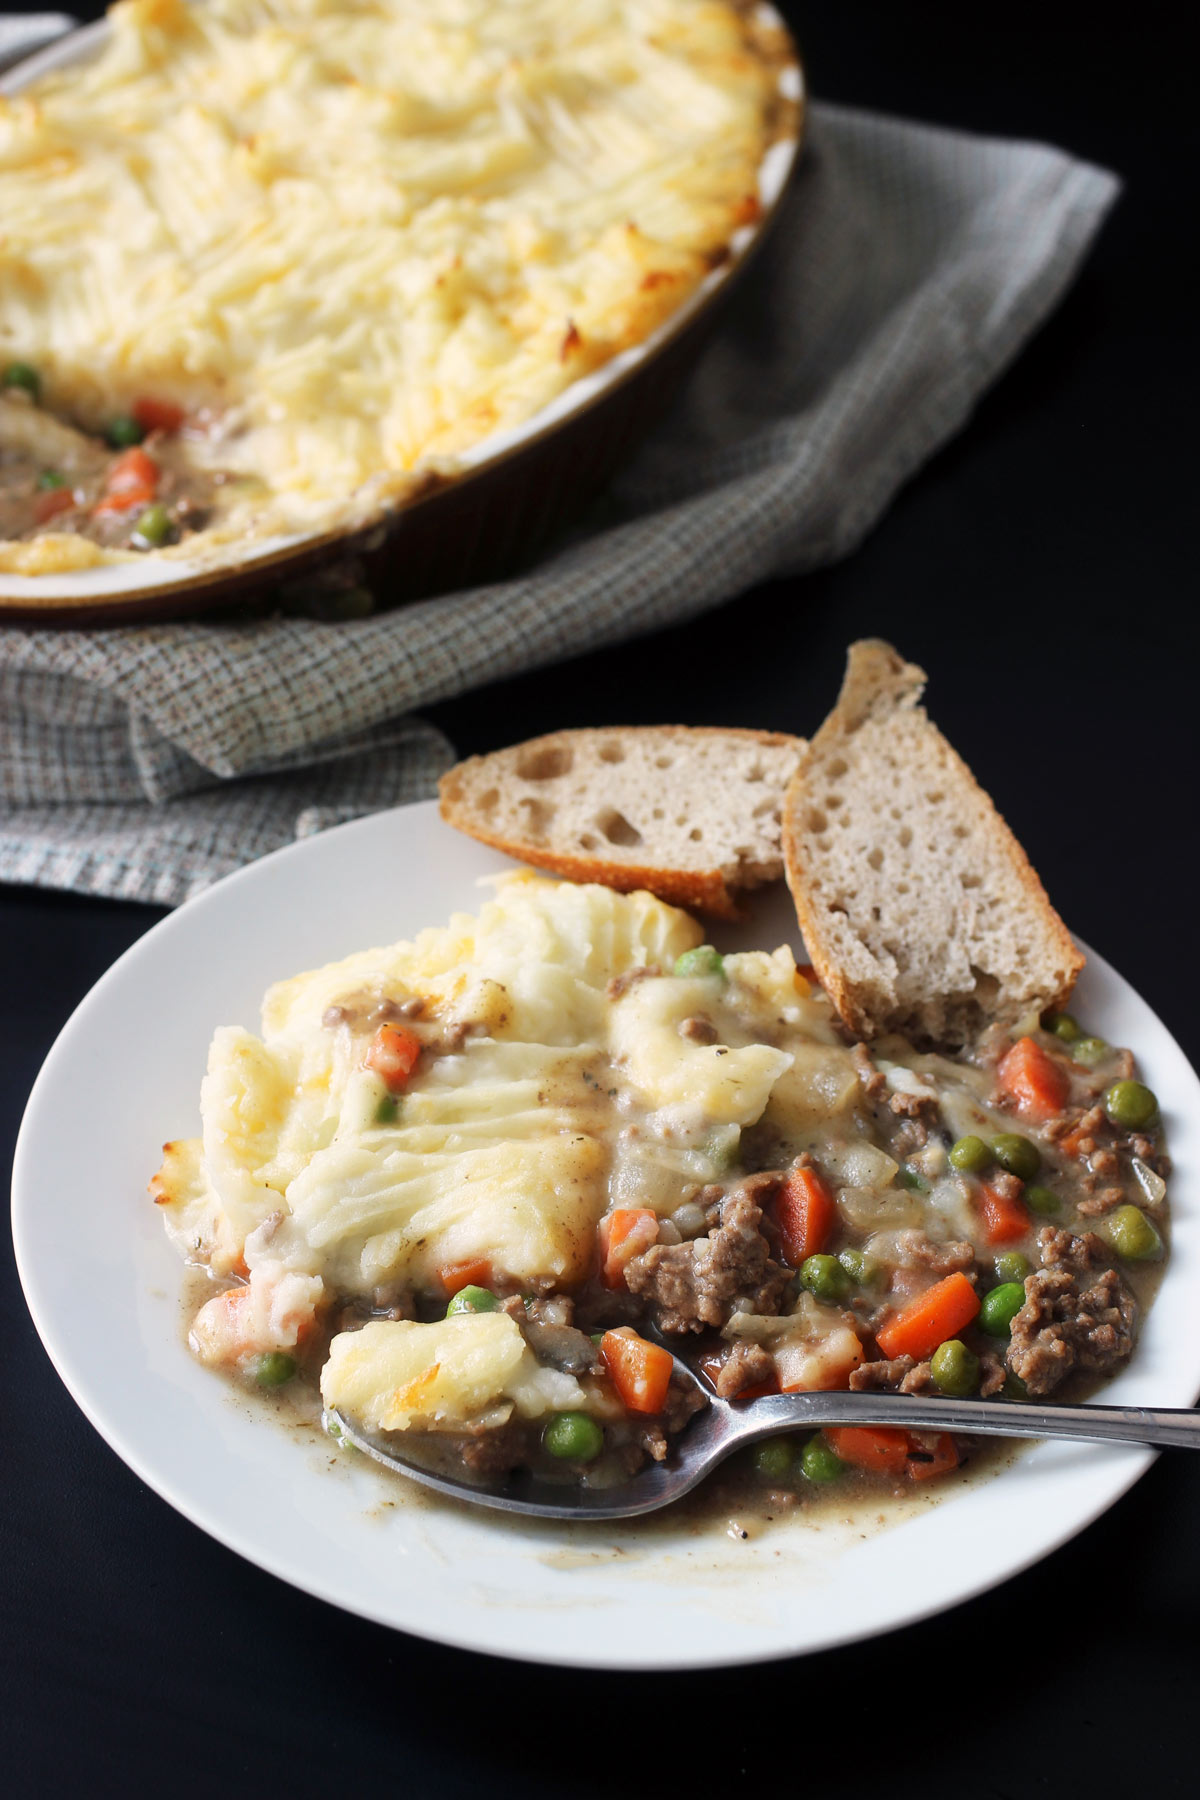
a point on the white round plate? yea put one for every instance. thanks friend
(103, 1286)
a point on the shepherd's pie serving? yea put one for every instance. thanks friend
(271, 265)
(464, 1183)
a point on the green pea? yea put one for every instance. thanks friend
(722, 1148)
(472, 1300)
(999, 1308)
(573, 1436)
(1130, 1104)
(773, 1460)
(597, 1337)
(154, 525)
(971, 1155)
(1017, 1155)
(123, 431)
(23, 375)
(1014, 1388)
(818, 1462)
(49, 479)
(1062, 1025)
(388, 1110)
(1011, 1266)
(861, 1269)
(954, 1368)
(703, 960)
(825, 1277)
(1089, 1051)
(908, 1178)
(273, 1369)
(1131, 1234)
(1042, 1200)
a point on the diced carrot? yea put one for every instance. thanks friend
(806, 1214)
(885, 1450)
(132, 469)
(939, 1313)
(622, 1235)
(455, 1276)
(880, 1448)
(641, 1372)
(925, 1460)
(393, 1053)
(1005, 1220)
(157, 415)
(131, 480)
(1031, 1077)
(54, 501)
(127, 501)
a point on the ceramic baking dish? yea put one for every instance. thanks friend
(506, 495)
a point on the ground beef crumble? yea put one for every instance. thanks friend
(498, 1450)
(1078, 1313)
(916, 1250)
(683, 1401)
(746, 1366)
(874, 1081)
(693, 1285)
(897, 1375)
(1093, 1205)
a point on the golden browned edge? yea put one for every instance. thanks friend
(192, 593)
(704, 890)
(837, 726)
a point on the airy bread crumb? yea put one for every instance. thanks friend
(919, 908)
(690, 813)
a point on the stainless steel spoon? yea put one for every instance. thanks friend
(725, 1426)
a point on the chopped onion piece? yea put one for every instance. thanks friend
(869, 1209)
(1153, 1186)
(859, 1166)
(906, 1081)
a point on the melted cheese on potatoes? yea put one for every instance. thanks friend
(472, 1370)
(564, 1070)
(351, 238)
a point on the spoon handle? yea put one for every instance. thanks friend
(1176, 1427)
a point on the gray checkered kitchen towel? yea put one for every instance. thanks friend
(910, 266)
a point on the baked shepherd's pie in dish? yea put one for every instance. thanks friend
(270, 274)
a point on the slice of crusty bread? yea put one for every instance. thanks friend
(919, 908)
(689, 812)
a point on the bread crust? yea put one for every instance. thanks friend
(709, 891)
(880, 686)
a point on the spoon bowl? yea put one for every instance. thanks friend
(724, 1426)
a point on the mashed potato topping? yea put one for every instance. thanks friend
(559, 1071)
(351, 238)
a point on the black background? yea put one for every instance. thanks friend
(1039, 569)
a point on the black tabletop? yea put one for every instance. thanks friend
(1038, 569)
